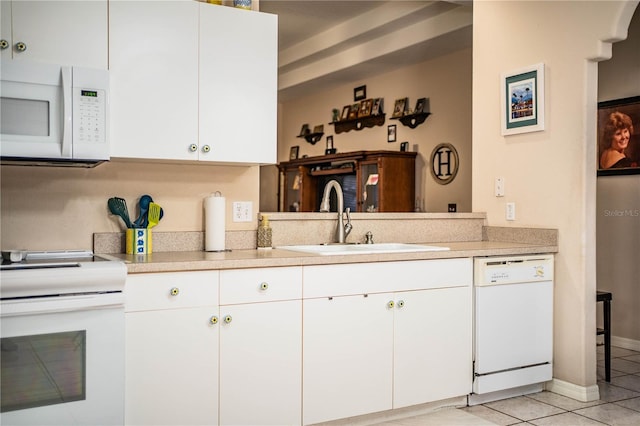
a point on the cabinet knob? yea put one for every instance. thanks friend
(264, 286)
(390, 304)
(193, 147)
(175, 291)
(400, 303)
(4, 44)
(206, 148)
(21, 47)
(213, 320)
(227, 319)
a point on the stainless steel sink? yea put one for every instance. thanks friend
(342, 249)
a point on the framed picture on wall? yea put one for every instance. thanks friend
(619, 137)
(391, 133)
(522, 100)
(293, 153)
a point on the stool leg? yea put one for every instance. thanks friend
(607, 339)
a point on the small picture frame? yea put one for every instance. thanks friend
(359, 93)
(399, 107)
(345, 113)
(353, 112)
(293, 153)
(522, 96)
(391, 133)
(404, 146)
(304, 130)
(365, 108)
(420, 104)
(330, 142)
(319, 128)
(377, 106)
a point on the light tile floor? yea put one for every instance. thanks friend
(619, 403)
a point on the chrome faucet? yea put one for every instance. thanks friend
(343, 229)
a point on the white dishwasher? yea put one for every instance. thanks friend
(513, 339)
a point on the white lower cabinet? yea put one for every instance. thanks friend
(366, 352)
(296, 345)
(432, 345)
(171, 349)
(261, 346)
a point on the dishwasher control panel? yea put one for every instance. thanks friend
(512, 269)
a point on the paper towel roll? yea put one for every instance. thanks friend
(215, 211)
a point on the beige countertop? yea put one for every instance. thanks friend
(181, 261)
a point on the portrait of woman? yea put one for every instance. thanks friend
(617, 132)
(618, 144)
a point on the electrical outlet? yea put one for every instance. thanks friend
(511, 211)
(499, 187)
(242, 211)
(453, 207)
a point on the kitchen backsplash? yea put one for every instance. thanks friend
(314, 228)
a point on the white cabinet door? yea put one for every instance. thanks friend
(261, 363)
(171, 353)
(61, 32)
(153, 61)
(238, 85)
(172, 367)
(432, 345)
(347, 356)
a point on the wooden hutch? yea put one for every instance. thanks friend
(372, 181)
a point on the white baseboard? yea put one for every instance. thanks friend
(623, 342)
(580, 393)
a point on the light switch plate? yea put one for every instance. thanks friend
(499, 187)
(242, 211)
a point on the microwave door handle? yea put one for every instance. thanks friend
(67, 111)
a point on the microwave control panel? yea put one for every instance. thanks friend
(89, 116)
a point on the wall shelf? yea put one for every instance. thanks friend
(312, 138)
(413, 120)
(358, 123)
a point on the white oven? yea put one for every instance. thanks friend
(62, 341)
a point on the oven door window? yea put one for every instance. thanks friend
(43, 369)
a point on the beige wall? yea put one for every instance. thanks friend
(45, 208)
(446, 81)
(551, 174)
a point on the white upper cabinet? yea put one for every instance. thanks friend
(238, 84)
(192, 81)
(71, 33)
(153, 61)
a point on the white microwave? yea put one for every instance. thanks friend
(53, 115)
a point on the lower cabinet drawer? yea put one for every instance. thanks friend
(171, 290)
(260, 285)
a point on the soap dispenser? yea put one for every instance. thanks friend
(264, 233)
